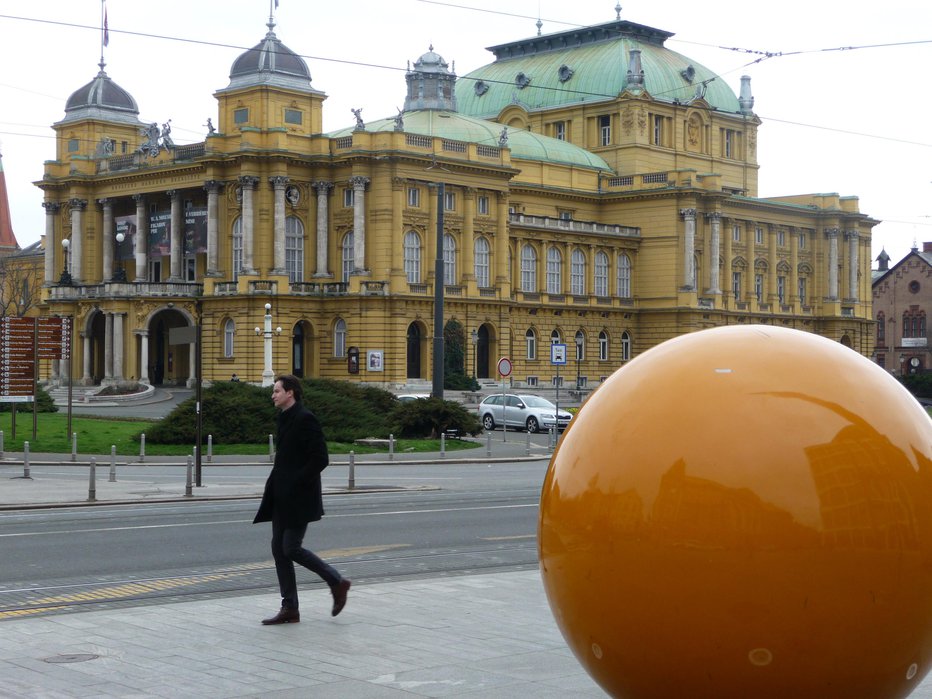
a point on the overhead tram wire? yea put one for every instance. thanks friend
(563, 90)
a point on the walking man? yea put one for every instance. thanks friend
(293, 498)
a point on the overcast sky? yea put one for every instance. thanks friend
(853, 121)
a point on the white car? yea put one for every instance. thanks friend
(522, 411)
(405, 397)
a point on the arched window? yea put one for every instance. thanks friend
(349, 255)
(555, 337)
(237, 260)
(625, 346)
(294, 249)
(554, 271)
(530, 340)
(600, 275)
(578, 273)
(881, 328)
(449, 260)
(481, 260)
(339, 338)
(229, 329)
(528, 269)
(624, 276)
(603, 346)
(412, 257)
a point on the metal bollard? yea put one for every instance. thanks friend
(74, 446)
(271, 448)
(210, 447)
(187, 480)
(26, 460)
(527, 447)
(92, 481)
(1, 444)
(443, 445)
(488, 445)
(352, 470)
(391, 447)
(112, 463)
(142, 447)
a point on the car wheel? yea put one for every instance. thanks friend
(487, 421)
(532, 425)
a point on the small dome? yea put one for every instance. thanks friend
(430, 84)
(102, 98)
(431, 62)
(270, 62)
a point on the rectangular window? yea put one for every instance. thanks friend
(559, 130)
(605, 130)
(730, 144)
(781, 239)
(530, 340)
(73, 145)
(801, 288)
(155, 270)
(759, 287)
(781, 289)
(759, 236)
(294, 116)
(882, 360)
(736, 285)
(483, 206)
(348, 197)
(736, 233)
(449, 201)
(556, 381)
(532, 381)
(656, 136)
(414, 197)
(802, 241)
(190, 269)
(603, 347)
(241, 116)
(124, 146)
(566, 215)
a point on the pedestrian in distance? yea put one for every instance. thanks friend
(293, 498)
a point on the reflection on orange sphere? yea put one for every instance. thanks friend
(744, 512)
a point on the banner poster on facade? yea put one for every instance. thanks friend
(195, 230)
(160, 233)
(127, 226)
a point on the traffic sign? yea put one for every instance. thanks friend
(504, 366)
(558, 353)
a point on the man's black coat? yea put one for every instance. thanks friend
(293, 491)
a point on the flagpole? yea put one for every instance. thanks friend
(103, 31)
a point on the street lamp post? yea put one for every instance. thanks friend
(268, 375)
(579, 350)
(475, 352)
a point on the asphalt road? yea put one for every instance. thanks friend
(480, 519)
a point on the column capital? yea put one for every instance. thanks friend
(248, 181)
(831, 232)
(322, 187)
(688, 214)
(172, 193)
(139, 198)
(213, 186)
(714, 215)
(852, 235)
(106, 202)
(279, 181)
(51, 207)
(359, 182)
(79, 204)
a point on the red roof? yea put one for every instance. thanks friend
(7, 237)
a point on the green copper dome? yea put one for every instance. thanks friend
(590, 64)
(524, 145)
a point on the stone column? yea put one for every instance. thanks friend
(502, 273)
(177, 236)
(727, 240)
(108, 346)
(144, 356)
(51, 211)
(278, 224)
(399, 192)
(142, 238)
(715, 283)
(323, 239)
(689, 249)
(772, 295)
(248, 185)
(359, 222)
(832, 235)
(793, 281)
(469, 243)
(77, 239)
(86, 377)
(853, 237)
(213, 224)
(106, 241)
(118, 346)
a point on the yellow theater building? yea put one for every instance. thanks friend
(598, 190)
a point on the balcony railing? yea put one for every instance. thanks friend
(564, 225)
(125, 289)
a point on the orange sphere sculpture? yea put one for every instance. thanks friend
(744, 512)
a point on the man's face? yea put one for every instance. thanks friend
(281, 398)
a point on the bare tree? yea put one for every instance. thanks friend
(20, 284)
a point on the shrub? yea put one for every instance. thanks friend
(430, 417)
(44, 404)
(457, 381)
(920, 385)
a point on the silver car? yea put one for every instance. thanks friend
(522, 411)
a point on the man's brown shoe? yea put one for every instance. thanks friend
(339, 596)
(284, 616)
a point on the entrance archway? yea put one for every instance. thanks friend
(415, 348)
(483, 350)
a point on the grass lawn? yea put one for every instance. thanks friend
(96, 435)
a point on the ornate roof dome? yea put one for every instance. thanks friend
(103, 99)
(270, 62)
(430, 84)
(589, 64)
